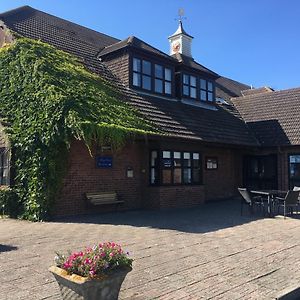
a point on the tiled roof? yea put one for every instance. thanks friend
(272, 116)
(175, 118)
(58, 32)
(252, 91)
(190, 62)
(230, 88)
(135, 42)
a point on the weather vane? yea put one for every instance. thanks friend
(180, 15)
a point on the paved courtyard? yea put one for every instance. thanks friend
(210, 252)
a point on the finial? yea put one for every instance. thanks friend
(180, 15)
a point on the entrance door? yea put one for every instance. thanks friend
(260, 172)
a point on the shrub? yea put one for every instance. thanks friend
(9, 202)
(94, 261)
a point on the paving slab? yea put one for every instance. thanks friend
(208, 252)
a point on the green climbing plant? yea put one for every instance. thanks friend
(49, 98)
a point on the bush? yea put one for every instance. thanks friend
(9, 203)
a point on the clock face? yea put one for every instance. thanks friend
(176, 46)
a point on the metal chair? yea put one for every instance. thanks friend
(250, 200)
(290, 201)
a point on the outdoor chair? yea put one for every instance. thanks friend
(289, 202)
(251, 201)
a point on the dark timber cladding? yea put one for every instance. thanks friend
(227, 135)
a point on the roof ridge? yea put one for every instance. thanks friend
(274, 93)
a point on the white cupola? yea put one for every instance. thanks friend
(181, 42)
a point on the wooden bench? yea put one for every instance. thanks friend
(103, 198)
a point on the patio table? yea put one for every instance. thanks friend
(270, 196)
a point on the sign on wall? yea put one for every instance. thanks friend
(104, 162)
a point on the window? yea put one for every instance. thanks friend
(206, 90)
(211, 163)
(189, 86)
(294, 170)
(4, 166)
(162, 81)
(151, 77)
(141, 73)
(175, 167)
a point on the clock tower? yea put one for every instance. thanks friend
(181, 42)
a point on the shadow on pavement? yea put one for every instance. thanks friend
(7, 248)
(205, 218)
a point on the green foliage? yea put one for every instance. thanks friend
(49, 98)
(9, 204)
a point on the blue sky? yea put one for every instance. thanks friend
(256, 42)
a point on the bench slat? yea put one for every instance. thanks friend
(103, 198)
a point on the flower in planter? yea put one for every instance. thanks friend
(94, 261)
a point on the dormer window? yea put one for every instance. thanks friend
(142, 73)
(163, 79)
(191, 84)
(206, 90)
(151, 76)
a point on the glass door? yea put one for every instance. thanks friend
(260, 172)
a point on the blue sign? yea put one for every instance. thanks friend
(104, 162)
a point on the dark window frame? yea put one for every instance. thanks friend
(207, 158)
(160, 167)
(291, 181)
(197, 87)
(4, 166)
(153, 76)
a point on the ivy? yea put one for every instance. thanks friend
(49, 98)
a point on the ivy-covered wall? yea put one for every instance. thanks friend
(48, 98)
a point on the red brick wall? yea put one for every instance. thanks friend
(222, 182)
(83, 177)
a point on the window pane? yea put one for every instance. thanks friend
(168, 74)
(185, 79)
(136, 65)
(167, 176)
(187, 175)
(193, 92)
(153, 158)
(158, 86)
(203, 84)
(203, 95)
(193, 81)
(146, 67)
(177, 159)
(146, 82)
(154, 176)
(166, 154)
(186, 90)
(186, 159)
(187, 155)
(136, 79)
(159, 71)
(196, 175)
(196, 156)
(177, 176)
(168, 88)
(210, 96)
(209, 86)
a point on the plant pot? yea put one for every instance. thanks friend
(75, 287)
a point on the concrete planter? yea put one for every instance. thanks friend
(76, 287)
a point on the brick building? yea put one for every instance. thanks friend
(218, 133)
